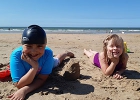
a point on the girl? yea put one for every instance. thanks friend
(113, 59)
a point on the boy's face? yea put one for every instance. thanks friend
(34, 51)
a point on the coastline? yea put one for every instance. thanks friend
(76, 30)
(92, 85)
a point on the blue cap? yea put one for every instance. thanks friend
(34, 34)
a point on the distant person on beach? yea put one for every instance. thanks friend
(9, 29)
(122, 32)
(111, 31)
(31, 63)
(113, 59)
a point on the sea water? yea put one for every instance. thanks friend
(76, 30)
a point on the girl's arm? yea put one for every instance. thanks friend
(107, 69)
(124, 65)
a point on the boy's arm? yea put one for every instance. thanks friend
(30, 75)
(21, 93)
(27, 78)
(39, 81)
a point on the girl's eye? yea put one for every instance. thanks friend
(118, 46)
(111, 45)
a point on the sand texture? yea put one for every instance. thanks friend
(91, 83)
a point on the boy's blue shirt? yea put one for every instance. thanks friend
(19, 68)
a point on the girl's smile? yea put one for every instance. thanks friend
(115, 47)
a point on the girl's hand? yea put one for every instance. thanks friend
(115, 60)
(110, 54)
(117, 75)
(28, 59)
(112, 58)
(18, 95)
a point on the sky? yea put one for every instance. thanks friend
(70, 13)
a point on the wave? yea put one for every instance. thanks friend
(73, 30)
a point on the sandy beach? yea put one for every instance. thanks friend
(92, 84)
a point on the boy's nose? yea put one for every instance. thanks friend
(33, 50)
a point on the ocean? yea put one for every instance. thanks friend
(76, 30)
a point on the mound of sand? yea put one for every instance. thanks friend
(71, 70)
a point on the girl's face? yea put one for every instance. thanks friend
(115, 48)
(34, 51)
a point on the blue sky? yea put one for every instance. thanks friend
(70, 13)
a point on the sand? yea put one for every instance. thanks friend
(92, 84)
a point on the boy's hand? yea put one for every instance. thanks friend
(18, 95)
(29, 60)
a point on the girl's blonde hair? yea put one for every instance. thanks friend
(115, 39)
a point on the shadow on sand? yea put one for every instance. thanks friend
(56, 84)
(132, 74)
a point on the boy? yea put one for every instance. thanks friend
(31, 64)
